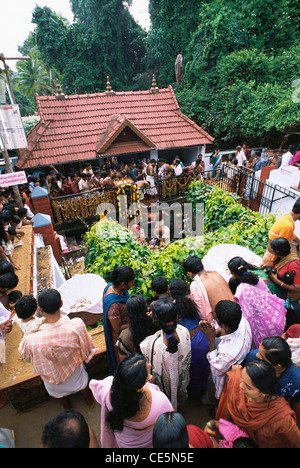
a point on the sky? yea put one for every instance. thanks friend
(16, 21)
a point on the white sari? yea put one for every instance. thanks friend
(170, 371)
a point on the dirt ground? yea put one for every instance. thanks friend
(28, 425)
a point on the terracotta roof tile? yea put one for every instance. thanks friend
(74, 128)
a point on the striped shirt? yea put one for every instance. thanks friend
(57, 349)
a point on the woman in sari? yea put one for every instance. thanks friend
(286, 274)
(216, 162)
(130, 405)
(141, 325)
(249, 401)
(189, 318)
(169, 353)
(264, 311)
(115, 319)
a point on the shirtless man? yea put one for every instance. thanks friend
(207, 288)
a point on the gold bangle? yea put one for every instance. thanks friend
(281, 284)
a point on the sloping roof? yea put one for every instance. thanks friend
(82, 127)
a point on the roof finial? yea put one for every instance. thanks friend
(108, 87)
(154, 89)
(59, 94)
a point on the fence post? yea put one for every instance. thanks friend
(41, 202)
(43, 225)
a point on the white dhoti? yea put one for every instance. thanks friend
(75, 383)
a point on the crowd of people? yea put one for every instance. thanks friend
(257, 160)
(146, 174)
(233, 346)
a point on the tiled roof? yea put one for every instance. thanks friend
(82, 127)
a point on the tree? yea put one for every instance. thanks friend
(33, 77)
(173, 24)
(104, 40)
(241, 64)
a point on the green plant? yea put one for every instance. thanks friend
(226, 221)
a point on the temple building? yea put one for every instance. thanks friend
(130, 125)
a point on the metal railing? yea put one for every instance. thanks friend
(255, 194)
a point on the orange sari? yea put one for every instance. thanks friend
(270, 425)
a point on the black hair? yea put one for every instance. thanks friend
(166, 316)
(122, 274)
(49, 300)
(6, 215)
(233, 284)
(277, 351)
(159, 285)
(185, 306)
(14, 295)
(263, 376)
(141, 325)
(22, 212)
(281, 246)
(16, 219)
(68, 429)
(193, 264)
(296, 207)
(244, 442)
(26, 306)
(130, 376)
(229, 313)
(9, 281)
(239, 267)
(170, 431)
(11, 231)
(6, 267)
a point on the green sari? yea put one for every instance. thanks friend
(273, 288)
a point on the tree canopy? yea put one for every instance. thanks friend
(241, 59)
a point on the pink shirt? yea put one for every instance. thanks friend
(134, 434)
(58, 349)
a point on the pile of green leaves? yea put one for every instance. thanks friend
(110, 245)
(226, 222)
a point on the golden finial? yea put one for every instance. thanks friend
(154, 88)
(108, 87)
(59, 94)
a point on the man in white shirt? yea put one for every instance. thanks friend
(177, 167)
(288, 156)
(240, 155)
(233, 345)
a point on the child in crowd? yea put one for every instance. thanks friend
(9, 247)
(25, 317)
(12, 298)
(160, 287)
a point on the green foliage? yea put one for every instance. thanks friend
(33, 76)
(226, 221)
(104, 40)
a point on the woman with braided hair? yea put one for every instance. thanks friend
(169, 353)
(264, 311)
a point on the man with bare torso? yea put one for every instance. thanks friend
(207, 288)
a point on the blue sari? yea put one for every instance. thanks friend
(107, 302)
(200, 367)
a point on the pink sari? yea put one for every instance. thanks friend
(134, 434)
(264, 311)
